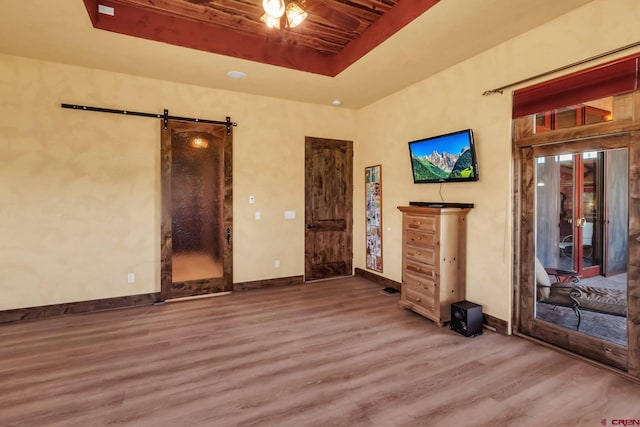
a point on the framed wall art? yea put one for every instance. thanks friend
(373, 208)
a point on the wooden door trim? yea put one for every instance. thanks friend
(594, 348)
(526, 291)
(169, 289)
(633, 262)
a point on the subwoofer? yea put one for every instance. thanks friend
(466, 318)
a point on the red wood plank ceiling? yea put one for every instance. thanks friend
(272, 48)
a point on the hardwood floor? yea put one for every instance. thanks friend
(335, 353)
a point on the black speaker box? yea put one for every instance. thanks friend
(466, 318)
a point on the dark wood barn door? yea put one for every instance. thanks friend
(196, 245)
(329, 208)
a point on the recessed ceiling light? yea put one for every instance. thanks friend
(236, 74)
(336, 102)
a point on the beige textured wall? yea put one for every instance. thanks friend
(452, 100)
(79, 201)
(79, 191)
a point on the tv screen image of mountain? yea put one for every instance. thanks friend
(444, 158)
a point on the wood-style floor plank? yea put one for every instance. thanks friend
(336, 353)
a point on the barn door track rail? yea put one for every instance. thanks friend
(165, 116)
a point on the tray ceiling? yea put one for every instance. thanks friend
(335, 34)
(402, 50)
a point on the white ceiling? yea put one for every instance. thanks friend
(451, 31)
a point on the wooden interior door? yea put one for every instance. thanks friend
(328, 208)
(196, 241)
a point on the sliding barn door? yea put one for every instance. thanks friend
(197, 218)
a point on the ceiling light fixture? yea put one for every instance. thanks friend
(273, 8)
(271, 21)
(295, 14)
(290, 11)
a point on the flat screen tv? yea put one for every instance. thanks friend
(444, 158)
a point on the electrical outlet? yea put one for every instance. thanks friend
(131, 278)
(252, 200)
(277, 263)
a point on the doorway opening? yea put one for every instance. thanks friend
(581, 218)
(577, 158)
(580, 293)
(581, 215)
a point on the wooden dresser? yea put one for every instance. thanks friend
(433, 259)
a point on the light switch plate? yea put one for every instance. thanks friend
(289, 214)
(257, 215)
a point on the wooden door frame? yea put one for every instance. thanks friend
(187, 288)
(614, 354)
(623, 132)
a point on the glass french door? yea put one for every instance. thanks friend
(580, 223)
(581, 211)
(586, 231)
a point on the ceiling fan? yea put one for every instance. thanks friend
(291, 13)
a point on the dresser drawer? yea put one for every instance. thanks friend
(425, 223)
(421, 254)
(414, 296)
(420, 269)
(417, 237)
(423, 284)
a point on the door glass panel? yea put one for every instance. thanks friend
(555, 193)
(616, 224)
(581, 232)
(196, 206)
(590, 218)
(596, 111)
(567, 117)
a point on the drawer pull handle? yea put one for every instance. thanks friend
(418, 299)
(419, 253)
